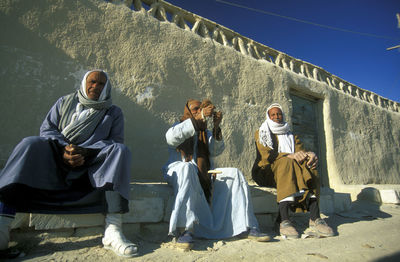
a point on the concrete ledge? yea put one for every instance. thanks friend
(342, 202)
(264, 199)
(390, 196)
(147, 209)
(152, 203)
(387, 194)
(21, 220)
(43, 221)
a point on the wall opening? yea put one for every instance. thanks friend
(307, 122)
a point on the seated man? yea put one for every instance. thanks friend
(208, 206)
(282, 163)
(77, 165)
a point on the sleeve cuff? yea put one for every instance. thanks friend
(217, 133)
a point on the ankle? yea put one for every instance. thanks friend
(314, 209)
(5, 226)
(284, 210)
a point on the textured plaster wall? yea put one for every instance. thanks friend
(365, 141)
(46, 47)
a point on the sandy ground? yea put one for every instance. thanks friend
(366, 233)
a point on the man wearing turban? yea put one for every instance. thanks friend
(77, 165)
(212, 206)
(283, 163)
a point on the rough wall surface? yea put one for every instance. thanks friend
(46, 46)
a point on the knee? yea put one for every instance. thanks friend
(286, 163)
(181, 173)
(120, 149)
(290, 161)
(188, 168)
(232, 172)
(32, 142)
(188, 171)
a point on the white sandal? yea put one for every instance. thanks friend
(114, 240)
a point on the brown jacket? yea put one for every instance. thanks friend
(265, 156)
(273, 169)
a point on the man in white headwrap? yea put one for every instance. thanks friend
(283, 163)
(77, 165)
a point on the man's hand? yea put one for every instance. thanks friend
(73, 155)
(298, 156)
(217, 118)
(301, 156)
(200, 117)
(312, 160)
(208, 111)
(203, 113)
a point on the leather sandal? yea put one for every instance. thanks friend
(185, 241)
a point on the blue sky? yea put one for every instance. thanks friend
(357, 58)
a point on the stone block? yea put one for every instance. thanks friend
(146, 209)
(21, 220)
(265, 204)
(141, 190)
(263, 199)
(151, 190)
(261, 191)
(342, 202)
(326, 204)
(42, 221)
(390, 196)
(326, 191)
(266, 221)
(149, 203)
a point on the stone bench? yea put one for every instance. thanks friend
(152, 203)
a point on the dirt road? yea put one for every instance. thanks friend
(367, 233)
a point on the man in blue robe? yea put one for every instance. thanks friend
(77, 165)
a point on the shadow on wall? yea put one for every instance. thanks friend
(145, 137)
(34, 75)
(37, 73)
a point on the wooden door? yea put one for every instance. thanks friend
(307, 122)
(304, 121)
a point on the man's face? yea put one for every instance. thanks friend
(95, 82)
(275, 114)
(194, 107)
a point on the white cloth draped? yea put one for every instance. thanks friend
(82, 113)
(282, 130)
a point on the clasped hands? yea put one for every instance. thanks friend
(74, 156)
(310, 157)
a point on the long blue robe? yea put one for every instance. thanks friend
(230, 212)
(35, 179)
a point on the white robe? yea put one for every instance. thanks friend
(231, 211)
